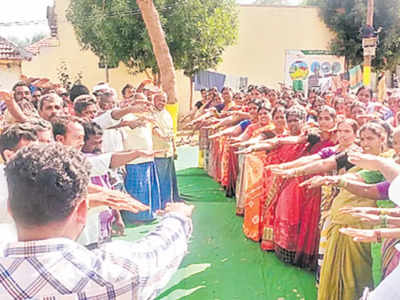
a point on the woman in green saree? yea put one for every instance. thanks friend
(347, 266)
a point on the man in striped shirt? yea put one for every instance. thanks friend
(48, 201)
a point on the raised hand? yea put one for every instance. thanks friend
(6, 96)
(180, 208)
(99, 196)
(284, 173)
(361, 210)
(365, 161)
(245, 151)
(318, 181)
(367, 218)
(361, 235)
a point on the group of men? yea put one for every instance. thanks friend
(76, 166)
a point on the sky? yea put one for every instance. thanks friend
(26, 10)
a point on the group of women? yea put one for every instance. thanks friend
(290, 163)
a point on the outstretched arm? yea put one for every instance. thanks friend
(387, 167)
(313, 167)
(119, 159)
(13, 107)
(230, 131)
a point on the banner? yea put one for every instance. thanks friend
(310, 66)
(356, 77)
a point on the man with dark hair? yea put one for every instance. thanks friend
(11, 140)
(128, 91)
(48, 187)
(71, 132)
(85, 106)
(35, 97)
(68, 131)
(19, 104)
(50, 106)
(78, 90)
(165, 148)
(21, 91)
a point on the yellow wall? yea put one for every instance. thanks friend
(265, 33)
(10, 73)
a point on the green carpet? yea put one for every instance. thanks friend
(222, 264)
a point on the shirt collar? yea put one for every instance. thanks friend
(33, 248)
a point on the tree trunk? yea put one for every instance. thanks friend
(160, 48)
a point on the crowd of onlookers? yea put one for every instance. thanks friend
(314, 177)
(78, 166)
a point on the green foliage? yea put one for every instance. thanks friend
(346, 17)
(197, 31)
(65, 78)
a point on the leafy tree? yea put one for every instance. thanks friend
(197, 31)
(346, 17)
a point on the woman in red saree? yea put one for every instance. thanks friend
(297, 214)
(273, 183)
(254, 175)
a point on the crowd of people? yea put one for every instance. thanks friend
(79, 165)
(308, 173)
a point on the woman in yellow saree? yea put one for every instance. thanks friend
(347, 265)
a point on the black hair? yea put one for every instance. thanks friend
(18, 84)
(78, 90)
(297, 111)
(92, 128)
(365, 88)
(44, 183)
(82, 102)
(127, 86)
(11, 136)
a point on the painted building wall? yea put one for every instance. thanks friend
(10, 73)
(265, 33)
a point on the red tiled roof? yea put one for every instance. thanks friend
(10, 51)
(35, 47)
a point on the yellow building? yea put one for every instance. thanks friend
(265, 33)
(11, 58)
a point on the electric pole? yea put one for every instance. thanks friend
(368, 56)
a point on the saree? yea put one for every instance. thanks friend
(297, 219)
(254, 195)
(233, 169)
(224, 161)
(213, 157)
(272, 188)
(246, 169)
(347, 265)
(390, 256)
(240, 186)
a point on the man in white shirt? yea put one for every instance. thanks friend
(69, 132)
(141, 180)
(48, 187)
(165, 148)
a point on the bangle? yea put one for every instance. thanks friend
(384, 220)
(378, 236)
